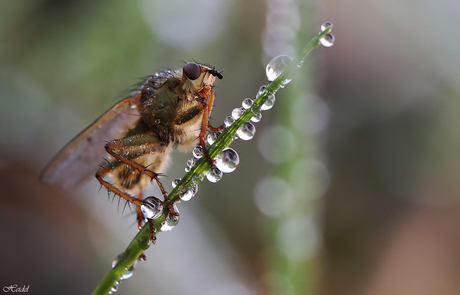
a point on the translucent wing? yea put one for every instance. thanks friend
(82, 156)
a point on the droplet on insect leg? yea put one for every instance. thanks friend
(152, 207)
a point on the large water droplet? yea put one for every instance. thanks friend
(228, 121)
(247, 103)
(276, 66)
(171, 221)
(187, 193)
(268, 104)
(246, 131)
(152, 207)
(327, 40)
(214, 174)
(326, 25)
(129, 272)
(228, 160)
(175, 182)
(198, 152)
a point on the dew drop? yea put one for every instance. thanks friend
(247, 103)
(129, 271)
(198, 152)
(327, 40)
(171, 221)
(268, 104)
(285, 81)
(197, 179)
(261, 90)
(256, 117)
(152, 207)
(228, 121)
(236, 113)
(157, 121)
(228, 160)
(191, 162)
(211, 138)
(214, 174)
(114, 289)
(187, 193)
(276, 66)
(326, 25)
(246, 131)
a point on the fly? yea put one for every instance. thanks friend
(171, 109)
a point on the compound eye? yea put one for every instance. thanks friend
(192, 70)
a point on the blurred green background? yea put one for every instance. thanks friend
(349, 186)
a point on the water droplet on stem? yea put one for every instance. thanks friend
(171, 221)
(276, 66)
(152, 207)
(327, 40)
(214, 174)
(326, 25)
(246, 131)
(228, 160)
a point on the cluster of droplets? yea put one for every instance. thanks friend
(328, 39)
(228, 159)
(129, 273)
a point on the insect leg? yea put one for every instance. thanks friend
(207, 107)
(134, 147)
(140, 215)
(104, 171)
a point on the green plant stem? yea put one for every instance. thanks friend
(197, 173)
